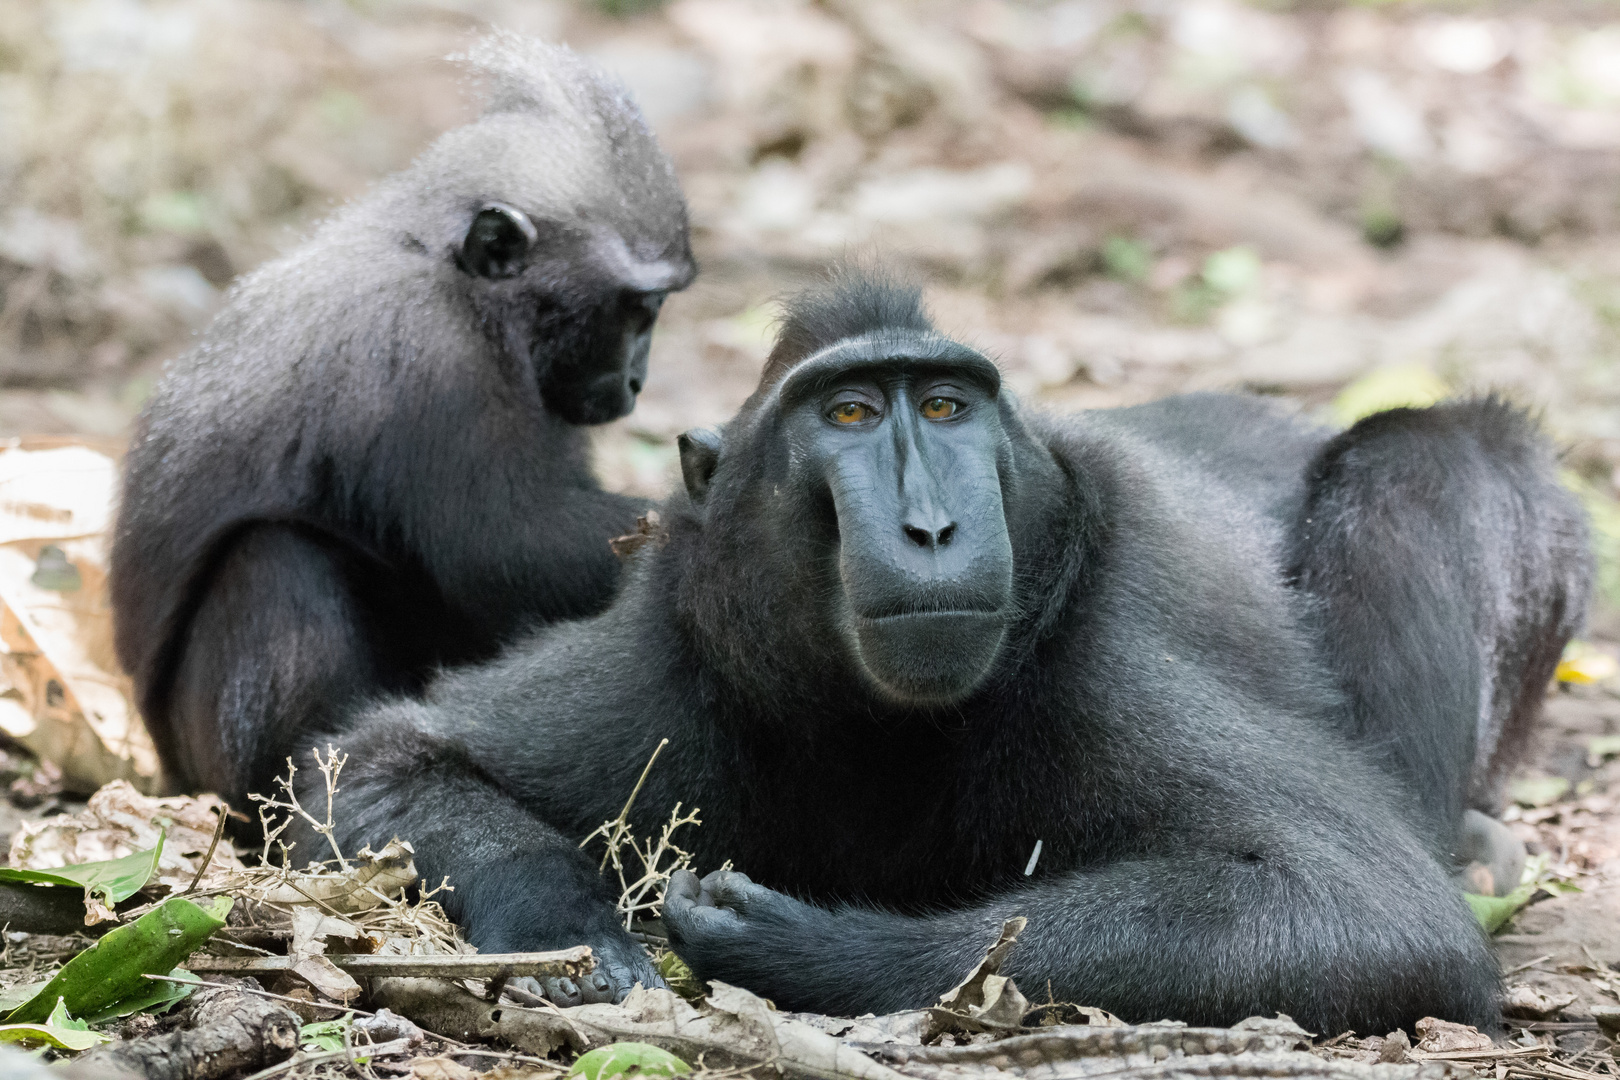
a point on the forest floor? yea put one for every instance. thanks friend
(1337, 204)
(1560, 955)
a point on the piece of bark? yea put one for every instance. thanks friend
(450, 1009)
(570, 962)
(1283, 1066)
(438, 1005)
(1152, 1042)
(734, 1029)
(222, 1033)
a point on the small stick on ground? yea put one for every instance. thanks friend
(202, 868)
(398, 1046)
(570, 962)
(261, 993)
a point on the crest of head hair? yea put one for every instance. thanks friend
(524, 74)
(852, 301)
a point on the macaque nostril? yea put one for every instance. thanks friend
(946, 533)
(635, 386)
(917, 536)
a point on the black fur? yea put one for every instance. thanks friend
(371, 464)
(1252, 673)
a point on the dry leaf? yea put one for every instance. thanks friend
(1525, 1002)
(1395, 1049)
(1442, 1036)
(374, 876)
(440, 1068)
(1099, 1017)
(984, 1000)
(311, 927)
(734, 1028)
(327, 978)
(62, 694)
(120, 820)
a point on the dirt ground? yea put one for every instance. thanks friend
(1571, 944)
(1119, 199)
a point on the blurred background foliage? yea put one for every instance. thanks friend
(1349, 205)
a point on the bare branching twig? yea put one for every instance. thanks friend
(642, 891)
(290, 808)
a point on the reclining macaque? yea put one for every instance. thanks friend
(1204, 692)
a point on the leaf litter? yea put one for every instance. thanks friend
(204, 915)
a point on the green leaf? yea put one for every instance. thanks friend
(59, 1018)
(162, 997)
(1126, 259)
(13, 996)
(325, 1035)
(59, 1030)
(1599, 748)
(628, 1058)
(1538, 790)
(115, 967)
(1493, 912)
(114, 880)
(1233, 271)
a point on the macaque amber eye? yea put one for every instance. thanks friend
(850, 412)
(938, 408)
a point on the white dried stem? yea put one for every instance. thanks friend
(287, 803)
(659, 860)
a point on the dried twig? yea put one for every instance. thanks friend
(397, 1046)
(618, 829)
(261, 993)
(1526, 966)
(571, 962)
(508, 1055)
(287, 801)
(641, 891)
(207, 860)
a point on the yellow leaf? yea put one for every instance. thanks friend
(1588, 668)
(1404, 386)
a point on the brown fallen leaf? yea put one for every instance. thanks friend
(440, 1068)
(310, 929)
(1524, 1002)
(1393, 1049)
(1436, 1036)
(62, 694)
(375, 875)
(119, 821)
(327, 978)
(985, 1000)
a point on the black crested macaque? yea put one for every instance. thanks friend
(373, 463)
(1234, 678)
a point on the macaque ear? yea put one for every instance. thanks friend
(498, 242)
(700, 453)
